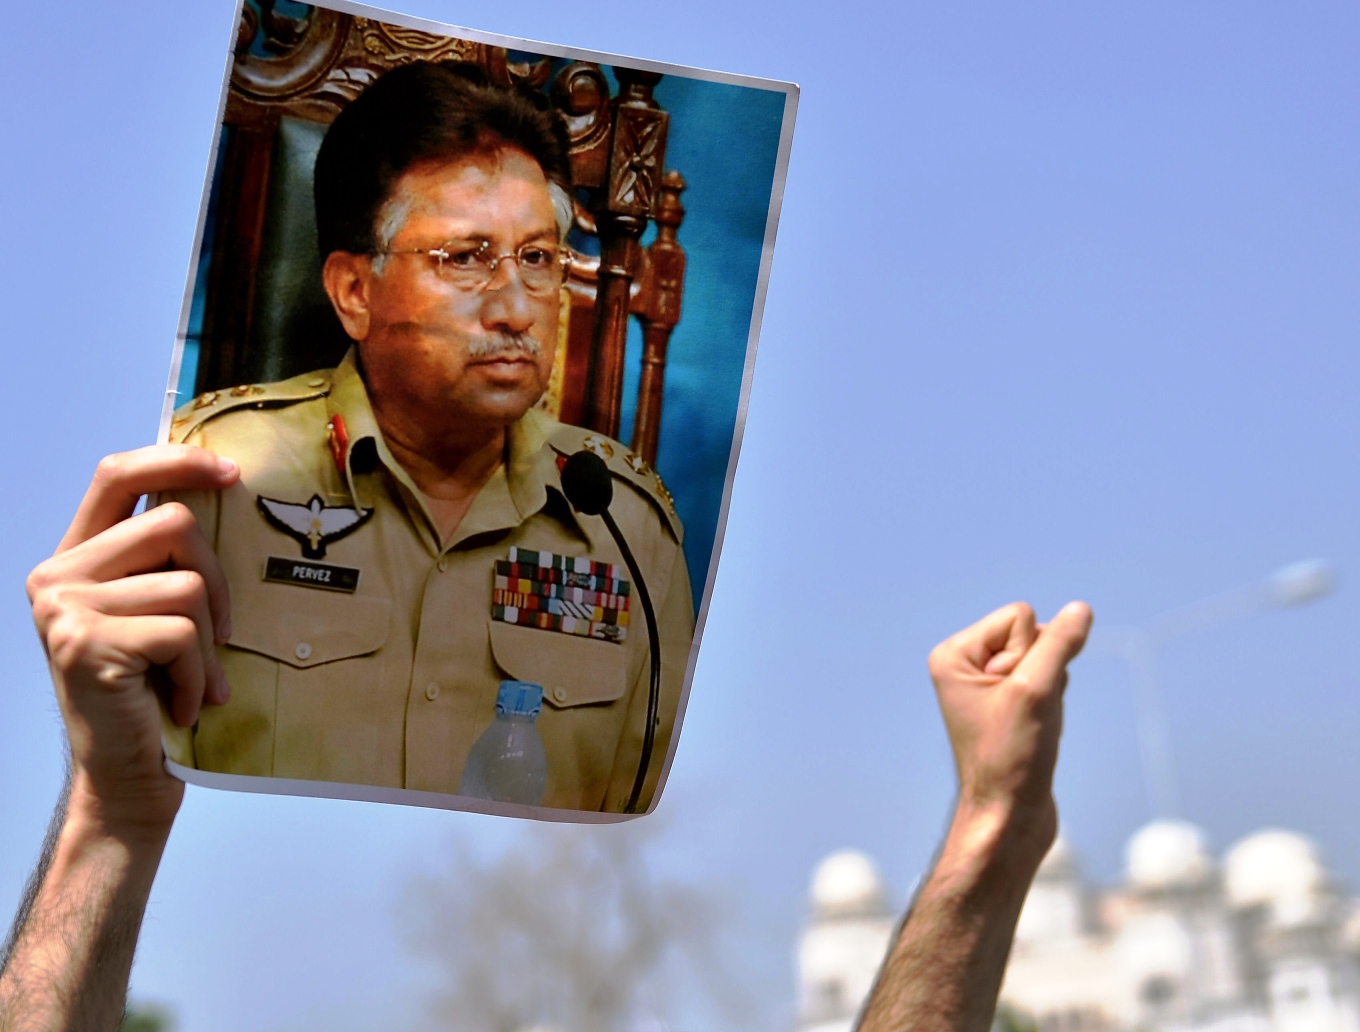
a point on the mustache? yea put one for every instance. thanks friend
(490, 345)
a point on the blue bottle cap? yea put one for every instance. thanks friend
(519, 699)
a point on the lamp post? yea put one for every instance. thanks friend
(1293, 585)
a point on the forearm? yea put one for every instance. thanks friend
(944, 972)
(71, 952)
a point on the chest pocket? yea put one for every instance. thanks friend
(307, 628)
(573, 671)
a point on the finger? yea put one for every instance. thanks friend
(1000, 638)
(169, 593)
(1018, 641)
(171, 642)
(1044, 666)
(120, 480)
(166, 536)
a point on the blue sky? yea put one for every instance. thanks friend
(1064, 305)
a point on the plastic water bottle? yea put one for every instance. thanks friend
(508, 763)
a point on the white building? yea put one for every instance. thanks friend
(1264, 942)
(845, 940)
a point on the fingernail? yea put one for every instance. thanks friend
(223, 691)
(226, 467)
(1074, 610)
(224, 631)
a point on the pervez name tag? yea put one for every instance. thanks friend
(311, 575)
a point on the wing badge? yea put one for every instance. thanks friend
(314, 525)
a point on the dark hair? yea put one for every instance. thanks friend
(420, 112)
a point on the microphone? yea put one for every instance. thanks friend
(589, 487)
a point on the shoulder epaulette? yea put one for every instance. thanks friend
(624, 464)
(191, 416)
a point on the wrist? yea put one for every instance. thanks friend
(994, 848)
(141, 823)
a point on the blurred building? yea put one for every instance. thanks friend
(1263, 941)
(844, 942)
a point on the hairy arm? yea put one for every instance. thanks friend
(70, 951)
(945, 969)
(1000, 685)
(129, 610)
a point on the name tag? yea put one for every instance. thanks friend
(311, 575)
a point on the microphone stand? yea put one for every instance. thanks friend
(589, 488)
(654, 641)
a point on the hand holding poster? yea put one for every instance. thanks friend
(434, 265)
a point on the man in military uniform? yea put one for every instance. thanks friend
(399, 542)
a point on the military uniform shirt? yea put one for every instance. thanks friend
(389, 681)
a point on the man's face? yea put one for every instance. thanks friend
(461, 358)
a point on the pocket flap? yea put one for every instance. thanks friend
(573, 670)
(313, 628)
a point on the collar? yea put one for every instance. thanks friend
(349, 420)
(517, 489)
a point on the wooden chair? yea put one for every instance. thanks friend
(265, 316)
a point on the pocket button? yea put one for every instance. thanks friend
(560, 694)
(432, 691)
(302, 650)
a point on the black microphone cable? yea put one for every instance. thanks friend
(589, 487)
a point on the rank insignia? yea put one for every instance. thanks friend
(664, 492)
(564, 593)
(314, 525)
(338, 439)
(204, 400)
(637, 464)
(597, 444)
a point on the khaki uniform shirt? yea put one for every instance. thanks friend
(390, 682)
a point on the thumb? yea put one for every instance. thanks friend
(1059, 642)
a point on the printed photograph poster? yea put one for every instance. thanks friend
(476, 317)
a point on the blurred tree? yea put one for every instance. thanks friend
(147, 1017)
(570, 929)
(1010, 1018)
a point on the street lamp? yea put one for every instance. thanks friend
(1293, 585)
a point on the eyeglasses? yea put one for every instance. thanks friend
(471, 268)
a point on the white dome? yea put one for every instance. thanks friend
(1166, 855)
(1275, 868)
(847, 884)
